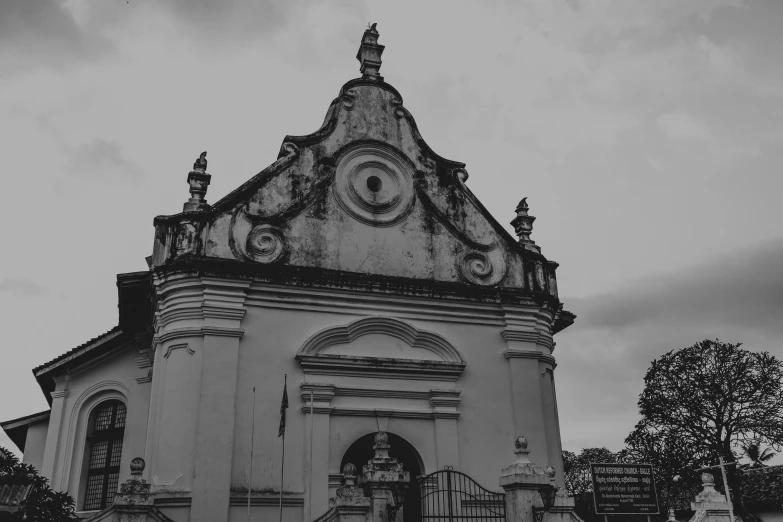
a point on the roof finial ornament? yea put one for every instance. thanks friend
(523, 226)
(198, 179)
(369, 54)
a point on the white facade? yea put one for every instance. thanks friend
(361, 266)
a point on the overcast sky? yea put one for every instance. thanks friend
(647, 136)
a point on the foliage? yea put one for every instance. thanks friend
(700, 402)
(578, 481)
(751, 450)
(43, 504)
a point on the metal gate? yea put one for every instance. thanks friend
(449, 495)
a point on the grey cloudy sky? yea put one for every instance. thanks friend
(647, 135)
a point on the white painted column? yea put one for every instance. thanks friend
(444, 408)
(552, 422)
(528, 351)
(318, 472)
(59, 395)
(223, 311)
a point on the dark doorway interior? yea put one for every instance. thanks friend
(361, 451)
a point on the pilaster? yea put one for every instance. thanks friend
(59, 396)
(223, 310)
(445, 405)
(317, 499)
(529, 347)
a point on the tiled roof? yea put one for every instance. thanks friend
(82, 348)
(763, 486)
(13, 493)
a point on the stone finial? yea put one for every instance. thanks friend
(369, 54)
(135, 491)
(671, 516)
(349, 475)
(524, 471)
(348, 493)
(521, 451)
(381, 446)
(201, 163)
(707, 483)
(709, 498)
(198, 179)
(137, 467)
(523, 226)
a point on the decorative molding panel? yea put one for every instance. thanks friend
(395, 328)
(374, 184)
(173, 347)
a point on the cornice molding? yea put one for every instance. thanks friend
(360, 303)
(380, 367)
(198, 331)
(237, 499)
(536, 337)
(530, 354)
(384, 412)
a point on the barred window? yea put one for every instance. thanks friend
(105, 450)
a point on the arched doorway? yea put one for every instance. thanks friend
(361, 451)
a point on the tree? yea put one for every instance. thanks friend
(707, 399)
(673, 462)
(751, 450)
(578, 481)
(43, 504)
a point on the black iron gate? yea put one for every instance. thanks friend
(449, 495)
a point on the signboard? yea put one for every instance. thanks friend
(624, 489)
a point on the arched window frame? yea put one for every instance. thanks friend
(72, 476)
(103, 454)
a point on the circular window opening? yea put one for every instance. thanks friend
(374, 183)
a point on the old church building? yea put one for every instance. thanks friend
(360, 265)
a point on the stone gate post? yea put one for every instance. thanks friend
(523, 483)
(710, 505)
(385, 481)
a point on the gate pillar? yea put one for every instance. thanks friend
(523, 483)
(386, 481)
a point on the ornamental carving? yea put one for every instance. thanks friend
(481, 268)
(265, 244)
(262, 243)
(374, 184)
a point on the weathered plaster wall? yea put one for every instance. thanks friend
(35, 444)
(362, 194)
(110, 377)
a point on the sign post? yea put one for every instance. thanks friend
(624, 489)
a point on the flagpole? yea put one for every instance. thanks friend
(310, 486)
(252, 438)
(282, 457)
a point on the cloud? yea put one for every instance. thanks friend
(683, 126)
(602, 358)
(743, 289)
(45, 33)
(22, 287)
(96, 158)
